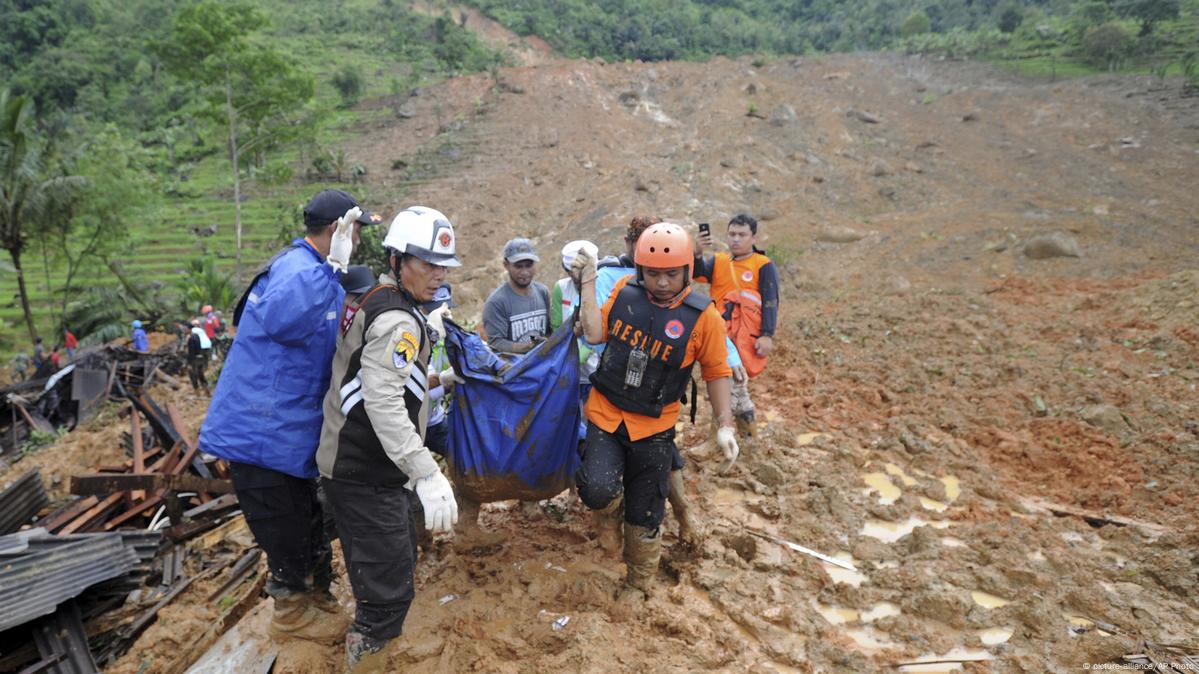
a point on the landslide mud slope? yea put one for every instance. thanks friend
(934, 387)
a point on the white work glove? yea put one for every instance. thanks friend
(448, 377)
(437, 498)
(436, 319)
(726, 440)
(342, 245)
(582, 268)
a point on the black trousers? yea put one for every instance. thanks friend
(378, 541)
(613, 463)
(195, 372)
(285, 516)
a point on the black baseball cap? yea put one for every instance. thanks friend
(357, 279)
(329, 205)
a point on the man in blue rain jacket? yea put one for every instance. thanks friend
(265, 417)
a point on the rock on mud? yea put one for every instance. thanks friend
(862, 116)
(839, 234)
(1052, 244)
(1107, 417)
(783, 115)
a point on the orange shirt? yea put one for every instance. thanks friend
(729, 274)
(706, 345)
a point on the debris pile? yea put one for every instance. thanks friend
(81, 578)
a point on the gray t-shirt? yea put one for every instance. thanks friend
(511, 318)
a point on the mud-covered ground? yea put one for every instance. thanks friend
(937, 395)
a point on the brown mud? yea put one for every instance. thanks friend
(917, 341)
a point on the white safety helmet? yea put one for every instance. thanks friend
(425, 233)
(570, 250)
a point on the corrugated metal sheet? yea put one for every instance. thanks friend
(20, 500)
(39, 571)
(62, 633)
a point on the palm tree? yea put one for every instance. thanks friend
(28, 194)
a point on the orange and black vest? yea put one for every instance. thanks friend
(634, 322)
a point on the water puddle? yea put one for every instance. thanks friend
(971, 654)
(936, 506)
(879, 611)
(1078, 625)
(726, 497)
(868, 641)
(953, 488)
(805, 439)
(888, 493)
(896, 471)
(836, 615)
(889, 532)
(986, 600)
(993, 636)
(840, 575)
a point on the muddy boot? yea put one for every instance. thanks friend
(689, 534)
(746, 425)
(608, 521)
(299, 616)
(358, 646)
(468, 535)
(642, 550)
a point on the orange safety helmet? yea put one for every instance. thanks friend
(664, 246)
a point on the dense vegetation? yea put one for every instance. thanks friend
(1102, 33)
(121, 121)
(117, 122)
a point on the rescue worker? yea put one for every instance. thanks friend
(746, 278)
(198, 346)
(372, 447)
(265, 416)
(655, 327)
(69, 342)
(610, 271)
(564, 300)
(141, 343)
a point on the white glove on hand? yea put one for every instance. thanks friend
(436, 319)
(448, 377)
(582, 268)
(437, 498)
(726, 440)
(342, 245)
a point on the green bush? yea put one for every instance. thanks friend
(916, 23)
(349, 84)
(1107, 45)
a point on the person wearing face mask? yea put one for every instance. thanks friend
(655, 328)
(265, 416)
(373, 447)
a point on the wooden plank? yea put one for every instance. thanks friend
(60, 519)
(1091, 516)
(180, 427)
(87, 519)
(139, 457)
(106, 483)
(40, 423)
(132, 512)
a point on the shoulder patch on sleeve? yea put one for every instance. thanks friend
(405, 351)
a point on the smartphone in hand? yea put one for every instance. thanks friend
(705, 228)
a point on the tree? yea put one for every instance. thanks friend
(1148, 12)
(349, 84)
(1106, 45)
(917, 23)
(120, 191)
(1010, 17)
(251, 86)
(29, 195)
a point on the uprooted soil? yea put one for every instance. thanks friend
(917, 344)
